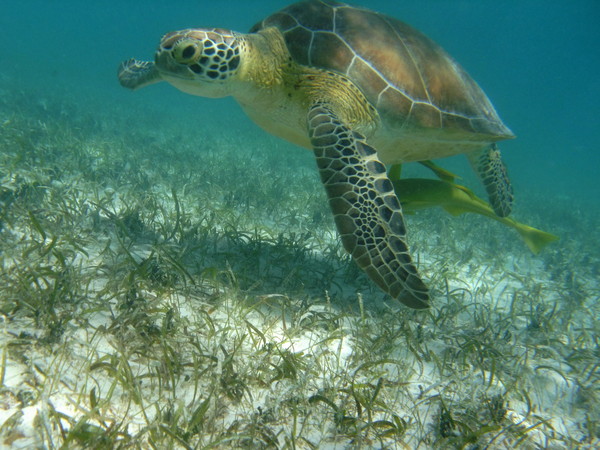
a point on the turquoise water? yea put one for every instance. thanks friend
(153, 243)
(536, 60)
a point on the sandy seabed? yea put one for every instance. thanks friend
(170, 285)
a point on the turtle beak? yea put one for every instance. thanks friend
(166, 63)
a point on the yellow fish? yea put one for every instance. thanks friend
(419, 193)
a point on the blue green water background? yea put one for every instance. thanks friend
(506, 326)
(537, 60)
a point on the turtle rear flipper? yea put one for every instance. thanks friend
(134, 74)
(492, 173)
(366, 210)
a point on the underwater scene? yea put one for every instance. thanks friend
(172, 276)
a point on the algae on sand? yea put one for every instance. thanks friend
(150, 296)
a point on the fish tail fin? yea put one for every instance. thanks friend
(535, 239)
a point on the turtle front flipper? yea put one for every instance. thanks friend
(492, 173)
(135, 74)
(366, 210)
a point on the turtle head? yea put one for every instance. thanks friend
(200, 61)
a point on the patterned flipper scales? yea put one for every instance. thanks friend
(494, 177)
(135, 74)
(367, 212)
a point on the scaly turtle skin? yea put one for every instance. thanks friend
(361, 90)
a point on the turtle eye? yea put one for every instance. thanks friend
(188, 52)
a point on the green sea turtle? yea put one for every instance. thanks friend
(361, 90)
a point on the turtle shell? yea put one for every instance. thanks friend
(408, 78)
